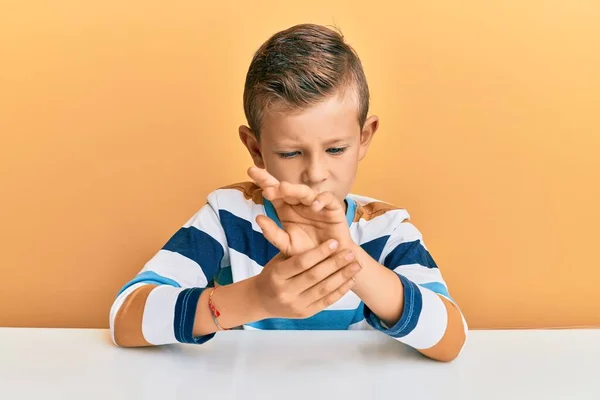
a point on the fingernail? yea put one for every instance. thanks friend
(355, 267)
(333, 245)
(316, 203)
(350, 256)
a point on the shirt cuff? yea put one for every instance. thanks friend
(185, 315)
(411, 311)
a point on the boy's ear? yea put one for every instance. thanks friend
(249, 139)
(368, 131)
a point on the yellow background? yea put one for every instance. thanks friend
(117, 118)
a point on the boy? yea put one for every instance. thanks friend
(295, 250)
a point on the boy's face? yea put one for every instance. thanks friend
(319, 147)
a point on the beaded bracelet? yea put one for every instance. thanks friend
(213, 310)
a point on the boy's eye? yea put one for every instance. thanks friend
(332, 151)
(336, 150)
(289, 154)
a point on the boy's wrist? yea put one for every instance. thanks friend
(237, 304)
(366, 262)
(253, 296)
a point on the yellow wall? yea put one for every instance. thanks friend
(117, 118)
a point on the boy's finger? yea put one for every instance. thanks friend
(262, 177)
(290, 193)
(301, 262)
(326, 200)
(295, 193)
(274, 234)
(313, 276)
(332, 297)
(330, 284)
(271, 193)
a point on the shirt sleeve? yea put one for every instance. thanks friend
(431, 321)
(158, 306)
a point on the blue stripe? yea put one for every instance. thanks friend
(409, 253)
(242, 238)
(185, 315)
(350, 210)
(271, 213)
(150, 277)
(224, 277)
(324, 320)
(198, 246)
(375, 246)
(413, 303)
(436, 287)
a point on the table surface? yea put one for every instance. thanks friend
(84, 364)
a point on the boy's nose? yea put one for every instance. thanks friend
(315, 173)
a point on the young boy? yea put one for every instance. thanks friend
(295, 250)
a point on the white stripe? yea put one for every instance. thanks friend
(407, 232)
(420, 274)
(117, 305)
(178, 267)
(365, 231)
(159, 314)
(432, 322)
(245, 266)
(233, 200)
(250, 328)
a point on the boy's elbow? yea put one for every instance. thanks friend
(125, 332)
(130, 343)
(126, 319)
(454, 339)
(447, 351)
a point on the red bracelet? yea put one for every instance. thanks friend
(213, 310)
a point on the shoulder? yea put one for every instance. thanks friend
(375, 222)
(370, 209)
(242, 191)
(242, 200)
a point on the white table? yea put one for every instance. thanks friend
(83, 364)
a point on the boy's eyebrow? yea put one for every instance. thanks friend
(337, 140)
(292, 143)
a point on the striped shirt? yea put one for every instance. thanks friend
(222, 244)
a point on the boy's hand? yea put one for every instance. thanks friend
(304, 284)
(308, 218)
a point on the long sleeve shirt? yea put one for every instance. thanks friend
(222, 244)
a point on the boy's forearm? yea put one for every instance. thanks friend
(379, 288)
(384, 293)
(238, 304)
